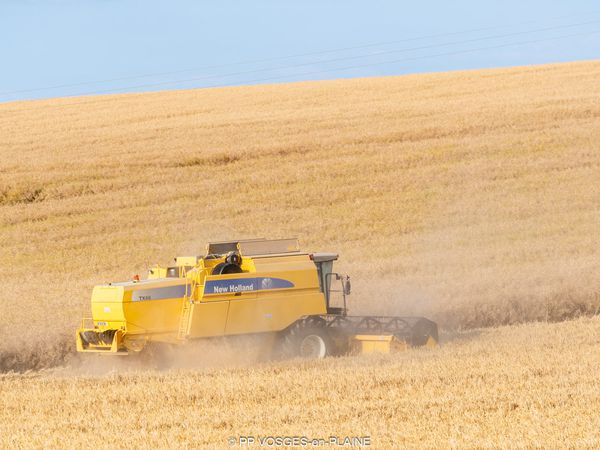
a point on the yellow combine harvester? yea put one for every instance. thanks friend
(244, 287)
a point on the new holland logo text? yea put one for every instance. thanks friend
(233, 288)
(238, 285)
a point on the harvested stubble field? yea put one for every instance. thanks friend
(471, 197)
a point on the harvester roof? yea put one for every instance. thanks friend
(255, 247)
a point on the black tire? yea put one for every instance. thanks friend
(306, 340)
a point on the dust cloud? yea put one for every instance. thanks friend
(213, 353)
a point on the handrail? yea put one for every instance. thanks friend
(188, 300)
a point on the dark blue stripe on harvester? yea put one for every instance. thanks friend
(158, 293)
(245, 285)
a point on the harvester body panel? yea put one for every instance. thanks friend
(278, 292)
(149, 306)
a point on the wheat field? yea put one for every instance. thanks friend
(470, 197)
(519, 386)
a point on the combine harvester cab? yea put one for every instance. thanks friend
(244, 287)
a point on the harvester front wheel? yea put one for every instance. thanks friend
(313, 346)
(307, 342)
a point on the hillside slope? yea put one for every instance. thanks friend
(472, 197)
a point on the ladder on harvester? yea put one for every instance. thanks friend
(188, 300)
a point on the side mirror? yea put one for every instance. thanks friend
(347, 286)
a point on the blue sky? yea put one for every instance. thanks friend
(58, 48)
